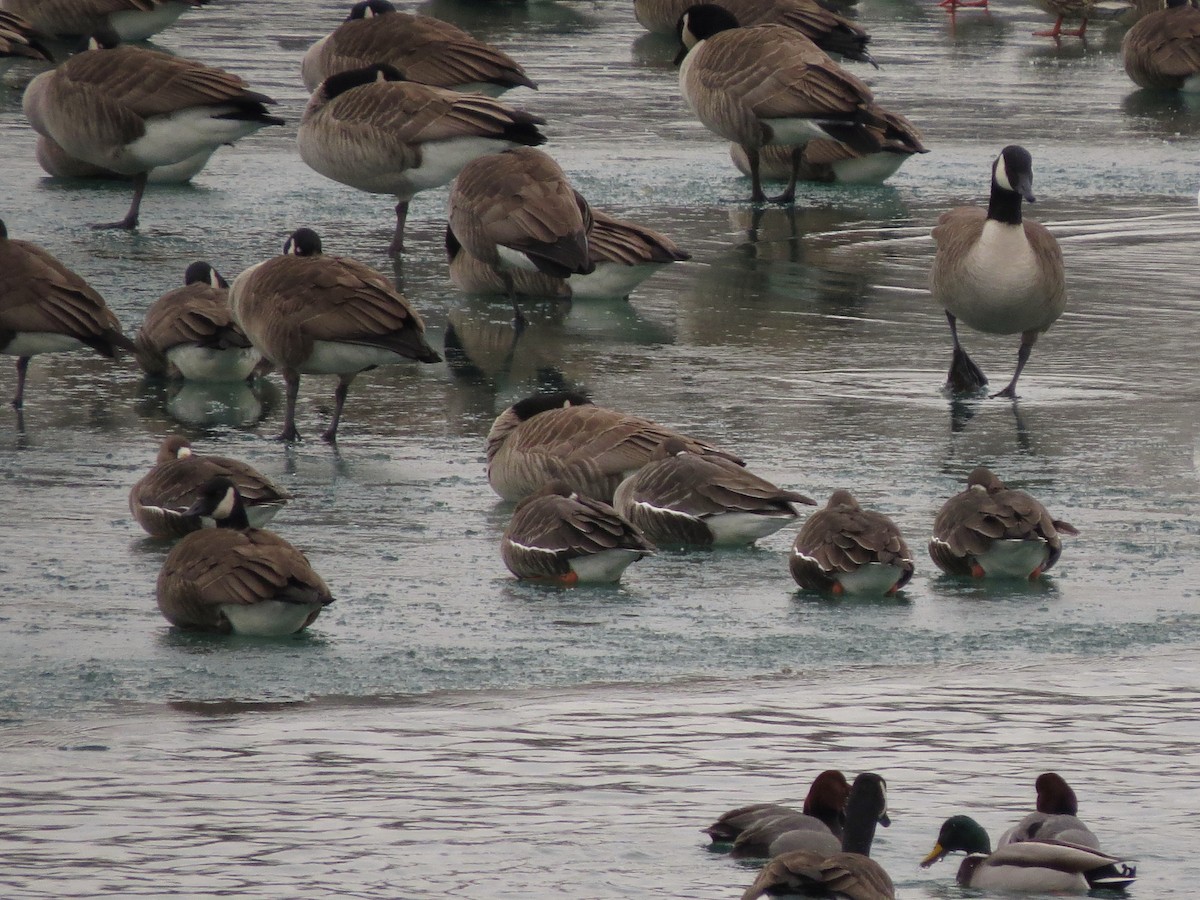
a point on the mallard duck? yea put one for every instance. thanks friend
(993, 530)
(1056, 816)
(756, 829)
(851, 873)
(1033, 865)
(996, 272)
(844, 548)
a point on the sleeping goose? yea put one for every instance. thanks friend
(680, 497)
(235, 578)
(844, 548)
(126, 20)
(755, 829)
(311, 314)
(425, 49)
(563, 436)
(850, 873)
(162, 497)
(517, 211)
(46, 308)
(624, 254)
(1056, 816)
(997, 273)
(372, 130)
(768, 84)
(190, 332)
(825, 28)
(19, 40)
(992, 530)
(1039, 866)
(131, 110)
(559, 535)
(1161, 51)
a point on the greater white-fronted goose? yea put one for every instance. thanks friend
(125, 20)
(311, 314)
(235, 578)
(624, 255)
(563, 436)
(825, 28)
(830, 161)
(190, 332)
(372, 130)
(680, 497)
(132, 110)
(1055, 818)
(992, 530)
(769, 84)
(851, 873)
(161, 498)
(517, 210)
(1162, 50)
(58, 163)
(425, 49)
(997, 273)
(559, 535)
(753, 830)
(1039, 866)
(46, 308)
(846, 549)
(20, 41)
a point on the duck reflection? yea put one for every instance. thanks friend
(1165, 114)
(963, 410)
(238, 404)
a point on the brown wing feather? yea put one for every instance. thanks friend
(193, 314)
(616, 240)
(1163, 48)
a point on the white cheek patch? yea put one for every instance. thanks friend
(183, 452)
(225, 508)
(1001, 175)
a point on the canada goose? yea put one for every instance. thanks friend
(1162, 50)
(372, 130)
(45, 308)
(517, 210)
(752, 828)
(998, 274)
(992, 530)
(1056, 816)
(425, 49)
(680, 497)
(1041, 866)
(161, 498)
(1081, 11)
(844, 548)
(57, 163)
(559, 535)
(235, 578)
(850, 873)
(312, 314)
(19, 40)
(132, 110)
(827, 160)
(768, 84)
(125, 20)
(562, 435)
(825, 28)
(190, 332)
(624, 255)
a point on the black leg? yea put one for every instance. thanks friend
(964, 377)
(292, 381)
(130, 221)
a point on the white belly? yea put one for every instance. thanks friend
(208, 364)
(135, 25)
(874, 168)
(335, 358)
(606, 566)
(173, 138)
(1001, 293)
(610, 280)
(268, 618)
(744, 528)
(31, 343)
(873, 578)
(1012, 558)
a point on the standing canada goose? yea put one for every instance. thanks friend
(132, 110)
(1081, 11)
(1162, 50)
(425, 49)
(768, 84)
(190, 332)
(827, 160)
(844, 548)
(372, 130)
(851, 873)
(235, 578)
(825, 28)
(997, 273)
(1041, 866)
(558, 535)
(312, 314)
(562, 436)
(624, 255)
(1055, 818)
(992, 530)
(125, 20)
(754, 829)
(517, 210)
(46, 308)
(680, 497)
(19, 40)
(161, 498)
(57, 163)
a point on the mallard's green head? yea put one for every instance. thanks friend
(958, 833)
